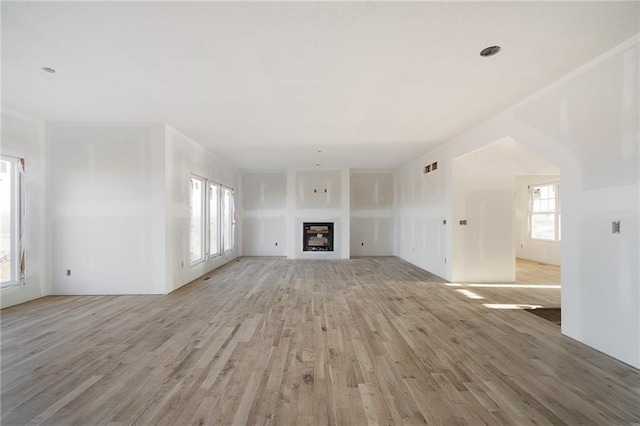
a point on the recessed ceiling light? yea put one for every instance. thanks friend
(49, 70)
(490, 51)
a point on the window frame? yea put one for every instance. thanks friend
(208, 194)
(218, 251)
(557, 237)
(231, 230)
(17, 219)
(203, 217)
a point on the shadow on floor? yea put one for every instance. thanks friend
(550, 314)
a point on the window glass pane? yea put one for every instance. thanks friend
(196, 251)
(226, 219)
(214, 217)
(535, 192)
(537, 205)
(544, 192)
(545, 202)
(7, 237)
(233, 220)
(543, 226)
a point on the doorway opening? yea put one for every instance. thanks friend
(507, 225)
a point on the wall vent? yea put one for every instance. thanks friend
(430, 168)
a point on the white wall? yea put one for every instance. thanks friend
(183, 158)
(483, 250)
(263, 204)
(372, 213)
(106, 208)
(527, 248)
(423, 204)
(587, 125)
(360, 203)
(118, 207)
(24, 137)
(307, 201)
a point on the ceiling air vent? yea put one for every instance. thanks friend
(490, 51)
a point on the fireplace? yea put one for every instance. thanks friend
(317, 236)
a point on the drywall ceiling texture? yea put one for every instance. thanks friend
(266, 85)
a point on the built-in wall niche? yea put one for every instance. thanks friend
(317, 236)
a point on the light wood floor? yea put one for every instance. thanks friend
(537, 285)
(530, 272)
(273, 341)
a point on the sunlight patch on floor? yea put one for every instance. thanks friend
(488, 285)
(509, 306)
(470, 294)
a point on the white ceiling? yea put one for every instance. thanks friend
(503, 159)
(267, 85)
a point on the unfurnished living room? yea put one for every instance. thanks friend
(309, 213)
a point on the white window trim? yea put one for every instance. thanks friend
(203, 219)
(206, 219)
(231, 221)
(557, 214)
(18, 222)
(218, 222)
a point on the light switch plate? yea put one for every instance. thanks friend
(615, 227)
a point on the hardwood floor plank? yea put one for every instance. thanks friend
(279, 342)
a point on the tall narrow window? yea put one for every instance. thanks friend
(12, 196)
(198, 214)
(228, 219)
(544, 215)
(214, 219)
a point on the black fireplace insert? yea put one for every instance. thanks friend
(317, 236)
